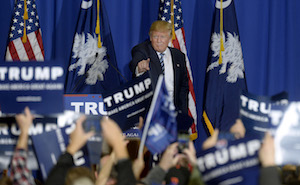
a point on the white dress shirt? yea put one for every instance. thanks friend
(169, 71)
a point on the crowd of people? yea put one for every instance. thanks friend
(116, 166)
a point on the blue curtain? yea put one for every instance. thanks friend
(268, 29)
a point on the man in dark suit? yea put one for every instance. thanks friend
(155, 56)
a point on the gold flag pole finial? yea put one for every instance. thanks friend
(221, 33)
(24, 38)
(172, 20)
(97, 30)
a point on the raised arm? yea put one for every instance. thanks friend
(20, 174)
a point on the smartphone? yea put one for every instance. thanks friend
(183, 141)
(227, 136)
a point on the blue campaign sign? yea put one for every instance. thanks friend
(131, 100)
(38, 85)
(94, 144)
(9, 133)
(50, 145)
(285, 124)
(132, 133)
(254, 111)
(7, 147)
(160, 128)
(234, 162)
(89, 104)
(49, 137)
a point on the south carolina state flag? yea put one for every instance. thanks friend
(225, 74)
(93, 66)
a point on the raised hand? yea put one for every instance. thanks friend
(78, 137)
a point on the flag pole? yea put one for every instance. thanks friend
(24, 38)
(221, 33)
(172, 20)
(97, 30)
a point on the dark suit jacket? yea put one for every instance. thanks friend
(144, 51)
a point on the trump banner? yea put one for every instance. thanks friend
(254, 111)
(38, 85)
(9, 133)
(89, 104)
(285, 127)
(129, 101)
(231, 162)
(49, 145)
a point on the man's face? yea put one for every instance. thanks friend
(160, 40)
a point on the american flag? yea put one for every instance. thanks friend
(165, 13)
(25, 26)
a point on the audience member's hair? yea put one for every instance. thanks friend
(4, 180)
(80, 175)
(290, 175)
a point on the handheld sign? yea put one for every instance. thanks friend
(254, 111)
(285, 127)
(9, 133)
(50, 145)
(131, 100)
(89, 104)
(234, 162)
(160, 128)
(38, 85)
(92, 104)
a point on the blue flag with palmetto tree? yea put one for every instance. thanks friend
(225, 73)
(93, 67)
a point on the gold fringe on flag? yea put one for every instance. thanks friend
(221, 34)
(97, 30)
(172, 20)
(208, 123)
(24, 38)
